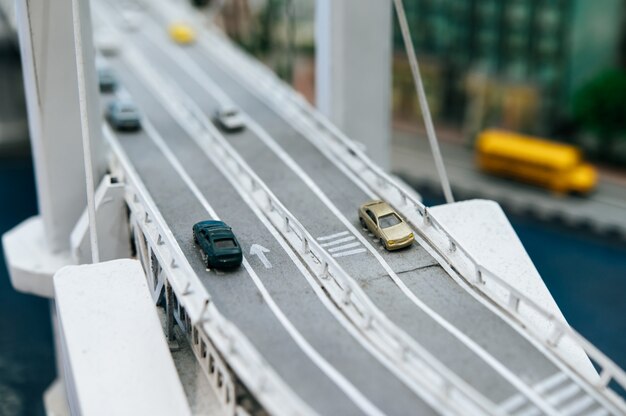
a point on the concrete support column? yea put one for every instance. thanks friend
(353, 40)
(50, 77)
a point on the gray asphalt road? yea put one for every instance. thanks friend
(235, 293)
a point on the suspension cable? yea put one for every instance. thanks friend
(419, 87)
(84, 125)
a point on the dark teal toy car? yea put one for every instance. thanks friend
(220, 247)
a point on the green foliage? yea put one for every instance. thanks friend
(600, 105)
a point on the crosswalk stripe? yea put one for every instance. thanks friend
(348, 253)
(339, 241)
(331, 236)
(343, 247)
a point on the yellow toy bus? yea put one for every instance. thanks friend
(555, 166)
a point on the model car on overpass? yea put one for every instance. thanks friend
(106, 79)
(220, 248)
(182, 33)
(229, 119)
(385, 223)
(123, 115)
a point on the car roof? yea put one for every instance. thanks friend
(212, 225)
(379, 208)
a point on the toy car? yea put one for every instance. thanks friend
(107, 42)
(182, 33)
(385, 223)
(123, 115)
(229, 119)
(106, 79)
(220, 247)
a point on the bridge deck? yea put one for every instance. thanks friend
(281, 309)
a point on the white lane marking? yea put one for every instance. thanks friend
(559, 396)
(348, 388)
(209, 85)
(512, 403)
(259, 251)
(549, 382)
(529, 411)
(330, 237)
(343, 247)
(599, 412)
(349, 253)
(339, 241)
(577, 406)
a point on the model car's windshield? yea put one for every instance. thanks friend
(389, 220)
(229, 113)
(225, 243)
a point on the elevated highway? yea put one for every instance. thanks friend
(320, 318)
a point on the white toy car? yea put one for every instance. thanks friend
(229, 119)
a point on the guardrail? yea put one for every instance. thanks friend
(430, 229)
(256, 374)
(424, 369)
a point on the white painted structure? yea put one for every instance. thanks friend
(353, 70)
(116, 359)
(51, 84)
(112, 345)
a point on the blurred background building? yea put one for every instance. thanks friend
(516, 64)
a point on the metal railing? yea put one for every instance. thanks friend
(435, 234)
(251, 368)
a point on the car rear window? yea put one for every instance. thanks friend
(225, 243)
(389, 220)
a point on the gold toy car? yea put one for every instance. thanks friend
(386, 224)
(182, 33)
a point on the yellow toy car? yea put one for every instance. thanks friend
(182, 33)
(385, 223)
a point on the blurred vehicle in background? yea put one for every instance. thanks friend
(106, 79)
(555, 166)
(229, 119)
(182, 33)
(123, 115)
(107, 42)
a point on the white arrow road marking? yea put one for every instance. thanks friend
(259, 251)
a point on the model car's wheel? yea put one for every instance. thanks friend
(383, 243)
(195, 239)
(362, 221)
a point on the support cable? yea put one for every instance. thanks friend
(419, 87)
(84, 125)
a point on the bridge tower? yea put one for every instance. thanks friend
(353, 47)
